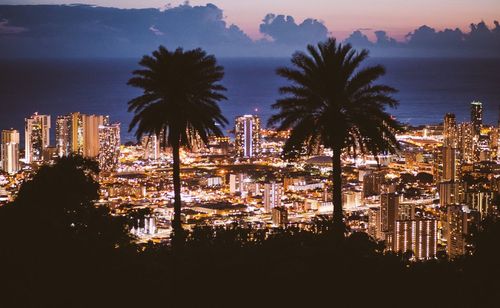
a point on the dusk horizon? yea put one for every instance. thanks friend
(107, 31)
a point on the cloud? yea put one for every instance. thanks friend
(284, 30)
(358, 39)
(90, 31)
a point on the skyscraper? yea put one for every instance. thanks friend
(78, 133)
(9, 151)
(371, 184)
(456, 230)
(109, 146)
(466, 142)
(389, 206)
(450, 132)
(151, 147)
(91, 133)
(247, 136)
(449, 193)
(449, 164)
(374, 223)
(476, 117)
(418, 236)
(37, 136)
(272, 195)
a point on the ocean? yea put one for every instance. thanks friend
(428, 88)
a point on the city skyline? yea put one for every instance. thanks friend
(193, 154)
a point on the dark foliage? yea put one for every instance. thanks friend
(181, 91)
(54, 241)
(333, 101)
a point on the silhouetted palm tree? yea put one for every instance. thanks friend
(333, 102)
(181, 90)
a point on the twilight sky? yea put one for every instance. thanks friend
(340, 16)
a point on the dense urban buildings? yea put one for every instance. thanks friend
(422, 201)
(9, 151)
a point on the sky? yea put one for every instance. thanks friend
(341, 17)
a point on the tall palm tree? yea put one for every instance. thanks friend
(181, 91)
(334, 102)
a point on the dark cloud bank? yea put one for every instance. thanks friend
(87, 31)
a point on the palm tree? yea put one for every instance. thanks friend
(332, 101)
(181, 91)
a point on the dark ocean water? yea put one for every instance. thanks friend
(428, 88)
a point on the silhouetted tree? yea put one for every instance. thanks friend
(55, 239)
(59, 203)
(181, 90)
(331, 101)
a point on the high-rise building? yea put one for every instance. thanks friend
(389, 206)
(371, 184)
(9, 151)
(466, 142)
(78, 133)
(449, 164)
(476, 117)
(416, 235)
(237, 183)
(37, 136)
(151, 147)
(450, 132)
(91, 133)
(449, 193)
(279, 216)
(64, 136)
(480, 201)
(456, 230)
(247, 136)
(272, 195)
(351, 199)
(109, 146)
(374, 223)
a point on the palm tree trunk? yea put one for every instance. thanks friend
(176, 223)
(338, 214)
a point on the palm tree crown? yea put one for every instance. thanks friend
(181, 91)
(332, 101)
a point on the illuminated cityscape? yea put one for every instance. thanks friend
(424, 198)
(279, 153)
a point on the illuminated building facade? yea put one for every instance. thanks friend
(37, 137)
(109, 146)
(272, 196)
(78, 133)
(418, 236)
(449, 164)
(466, 142)
(476, 117)
(450, 131)
(457, 230)
(371, 184)
(151, 147)
(449, 193)
(247, 136)
(280, 216)
(9, 151)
